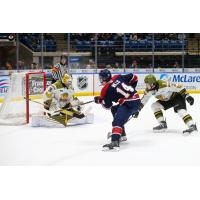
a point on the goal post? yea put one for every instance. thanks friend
(28, 75)
(17, 107)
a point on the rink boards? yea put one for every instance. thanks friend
(87, 84)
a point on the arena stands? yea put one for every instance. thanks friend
(33, 41)
(133, 41)
(100, 50)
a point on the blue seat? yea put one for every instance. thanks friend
(101, 43)
(134, 44)
(127, 45)
(111, 43)
(87, 45)
(149, 44)
(181, 44)
(142, 44)
(158, 44)
(79, 45)
(173, 44)
(165, 44)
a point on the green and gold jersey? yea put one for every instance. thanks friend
(59, 93)
(164, 91)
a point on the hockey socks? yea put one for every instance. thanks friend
(159, 115)
(115, 140)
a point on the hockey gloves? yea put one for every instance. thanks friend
(135, 115)
(189, 99)
(98, 99)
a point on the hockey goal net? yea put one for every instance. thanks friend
(17, 106)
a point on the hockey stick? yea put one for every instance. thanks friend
(84, 103)
(51, 112)
(34, 101)
(132, 116)
(69, 107)
(45, 110)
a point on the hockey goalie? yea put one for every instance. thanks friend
(62, 108)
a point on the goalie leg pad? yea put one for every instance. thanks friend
(88, 119)
(45, 121)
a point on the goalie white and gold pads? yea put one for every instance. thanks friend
(62, 108)
(47, 121)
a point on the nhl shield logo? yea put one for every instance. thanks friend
(82, 82)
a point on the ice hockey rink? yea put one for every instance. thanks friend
(81, 145)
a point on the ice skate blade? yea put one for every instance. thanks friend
(160, 131)
(189, 133)
(115, 149)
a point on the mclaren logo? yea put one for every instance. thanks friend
(165, 77)
(82, 82)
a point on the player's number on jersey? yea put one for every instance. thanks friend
(123, 89)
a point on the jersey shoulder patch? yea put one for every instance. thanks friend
(178, 85)
(162, 84)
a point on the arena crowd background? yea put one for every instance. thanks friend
(174, 52)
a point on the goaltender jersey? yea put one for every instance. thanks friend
(58, 96)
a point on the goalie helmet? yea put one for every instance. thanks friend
(104, 76)
(150, 81)
(67, 80)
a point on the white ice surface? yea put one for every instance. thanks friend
(81, 145)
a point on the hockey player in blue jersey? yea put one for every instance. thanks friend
(119, 89)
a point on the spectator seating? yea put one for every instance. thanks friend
(144, 43)
(33, 41)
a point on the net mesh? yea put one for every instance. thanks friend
(13, 110)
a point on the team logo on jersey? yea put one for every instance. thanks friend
(82, 82)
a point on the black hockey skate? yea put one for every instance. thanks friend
(191, 129)
(161, 127)
(113, 145)
(123, 137)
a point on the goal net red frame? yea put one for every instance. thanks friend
(27, 90)
(23, 87)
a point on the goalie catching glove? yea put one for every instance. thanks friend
(47, 104)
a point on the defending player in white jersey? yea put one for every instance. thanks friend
(169, 95)
(61, 105)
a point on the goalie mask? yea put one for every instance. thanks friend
(67, 80)
(150, 81)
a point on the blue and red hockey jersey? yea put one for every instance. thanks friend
(121, 88)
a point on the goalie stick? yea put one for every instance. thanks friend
(69, 107)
